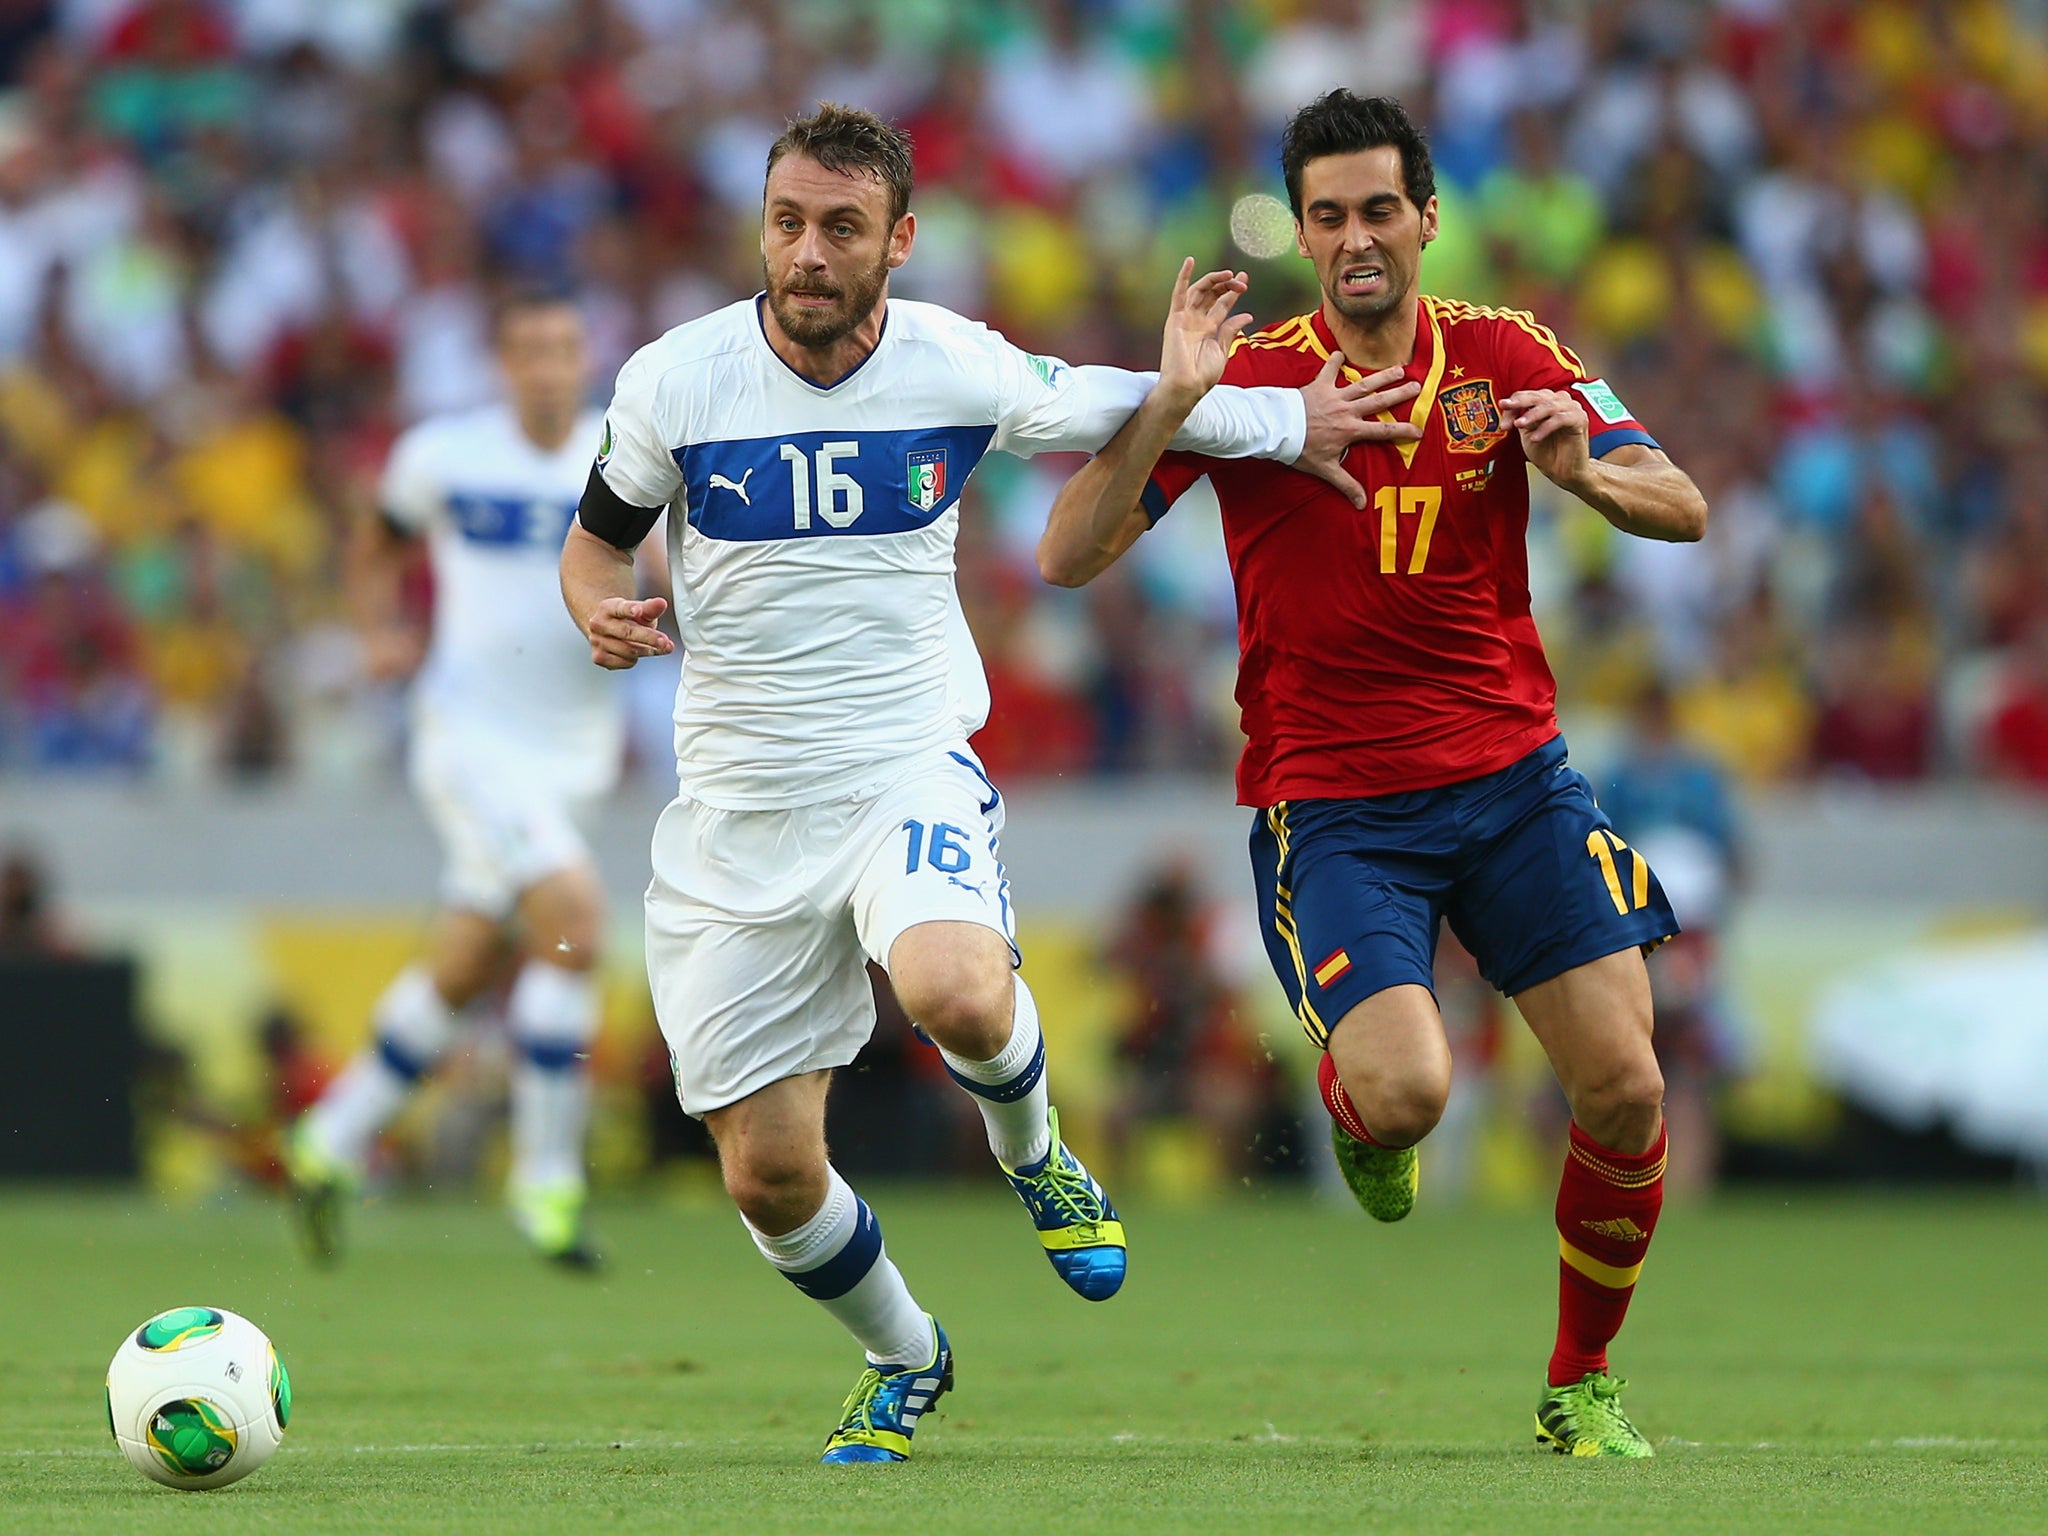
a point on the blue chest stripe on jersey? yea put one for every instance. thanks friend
(805, 484)
(509, 520)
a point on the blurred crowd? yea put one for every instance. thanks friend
(244, 242)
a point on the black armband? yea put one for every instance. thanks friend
(612, 518)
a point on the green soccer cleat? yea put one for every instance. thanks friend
(551, 1217)
(1077, 1226)
(321, 1189)
(1584, 1418)
(881, 1413)
(1383, 1179)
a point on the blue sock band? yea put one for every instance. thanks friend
(849, 1266)
(1015, 1088)
(552, 1055)
(401, 1061)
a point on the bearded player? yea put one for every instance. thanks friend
(1403, 754)
(812, 443)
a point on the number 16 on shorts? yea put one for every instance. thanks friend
(945, 851)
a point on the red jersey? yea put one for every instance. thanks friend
(1392, 649)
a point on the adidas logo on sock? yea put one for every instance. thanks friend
(1621, 1229)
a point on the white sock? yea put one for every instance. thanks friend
(553, 1013)
(1010, 1089)
(837, 1259)
(413, 1025)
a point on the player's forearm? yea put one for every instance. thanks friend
(1097, 514)
(1653, 500)
(1233, 423)
(592, 571)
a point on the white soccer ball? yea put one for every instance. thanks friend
(197, 1398)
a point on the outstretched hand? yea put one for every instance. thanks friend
(1200, 329)
(1342, 414)
(622, 631)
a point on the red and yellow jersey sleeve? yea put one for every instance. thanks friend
(1526, 354)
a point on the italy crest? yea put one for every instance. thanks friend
(925, 478)
(1471, 419)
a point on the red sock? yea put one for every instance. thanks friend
(1338, 1102)
(1607, 1205)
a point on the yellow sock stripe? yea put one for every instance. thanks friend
(1621, 1178)
(1596, 1271)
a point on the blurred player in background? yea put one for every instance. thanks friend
(814, 441)
(1404, 753)
(513, 735)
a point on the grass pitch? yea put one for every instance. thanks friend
(1805, 1364)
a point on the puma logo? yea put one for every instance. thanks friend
(737, 487)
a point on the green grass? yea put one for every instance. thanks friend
(1807, 1364)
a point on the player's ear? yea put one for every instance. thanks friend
(901, 238)
(1429, 225)
(1301, 242)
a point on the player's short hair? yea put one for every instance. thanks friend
(1342, 123)
(853, 143)
(522, 298)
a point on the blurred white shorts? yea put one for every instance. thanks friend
(501, 830)
(760, 923)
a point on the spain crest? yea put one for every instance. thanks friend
(925, 478)
(1471, 419)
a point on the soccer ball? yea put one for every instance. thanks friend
(197, 1398)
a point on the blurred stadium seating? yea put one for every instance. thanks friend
(245, 242)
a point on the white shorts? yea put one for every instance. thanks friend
(501, 830)
(760, 923)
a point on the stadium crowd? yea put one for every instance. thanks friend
(243, 242)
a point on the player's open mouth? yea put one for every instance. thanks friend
(1360, 279)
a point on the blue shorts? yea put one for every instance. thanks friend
(1525, 866)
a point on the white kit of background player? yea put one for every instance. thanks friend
(514, 736)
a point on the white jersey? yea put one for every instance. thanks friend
(506, 664)
(811, 531)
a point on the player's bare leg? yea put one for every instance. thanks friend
(553, 1013)
(1385, 1079)
(412, 1025)
(1594, 1022)
(957, 982)
(811, 1226)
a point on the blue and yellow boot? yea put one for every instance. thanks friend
(881, 1413)
(1075, 1220)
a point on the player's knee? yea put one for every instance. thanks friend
(776, 1193)
(1401, 1114)
(1622, 1108)
(962, 1002)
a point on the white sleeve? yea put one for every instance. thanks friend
(411, 492)
(633, 453)
(1044, 405)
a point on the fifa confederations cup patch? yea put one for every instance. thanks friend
(1605, 402)
(1471, 419)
